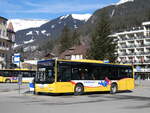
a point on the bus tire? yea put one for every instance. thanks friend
(7, 81)
(113, 88)
(79, 89)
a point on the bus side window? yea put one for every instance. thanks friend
(75, 74)
(123, 72)
(33, 74)
(93, 73)
(129, 72)
(65, 73)
(102, 73)
(1, 73)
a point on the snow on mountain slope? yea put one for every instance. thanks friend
(82, 17)
(20, 24)
(63, 17)
(124, 1)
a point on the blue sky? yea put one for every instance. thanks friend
(49, 9)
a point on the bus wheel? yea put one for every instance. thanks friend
(7, 81)
(79, 89)
(113, 88)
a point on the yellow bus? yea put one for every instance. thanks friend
(11, 75)
(79, 76)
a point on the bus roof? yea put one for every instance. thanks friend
(17, 69)
(42, 61)
(84, 61)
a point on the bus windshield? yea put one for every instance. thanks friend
(45, 73)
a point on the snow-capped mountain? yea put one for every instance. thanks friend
(20, 24)
(82, 17)
(51, 29)
(124, 1)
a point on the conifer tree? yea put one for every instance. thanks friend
(75, 38)
(65, 40)
(102, 46)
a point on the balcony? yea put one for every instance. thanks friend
(146, 53)
(130, 39)
(141, 62)
(130, 46)
(138, 62)
(147, 61)
(140, 53)
(140, 45)
(2, 59)
(131, 54)
(122, 54)
(143, 70)
(4, 48)
(123, 46)
(129, 62)
(4, 37)
(140, 37)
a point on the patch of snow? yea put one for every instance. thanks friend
(48, 34)
(26, 49)
(75, 26)
(43, 31)
(52, 26)
(146, 23)
(64, 17)
(30, 48)
(37, 32)
(124, 1)
(83, 17)
(29, 33)
(113, 12)
(15, 45)
(26, 42)
(20, 24)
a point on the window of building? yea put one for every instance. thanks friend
(3, 44)
(67, 57)
(3, 55)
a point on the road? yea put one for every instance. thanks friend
(137, 101)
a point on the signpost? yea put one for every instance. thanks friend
(19, 81)
(106, 61)
(138, 69)
(16, 60)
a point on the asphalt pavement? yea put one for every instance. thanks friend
(136, 101)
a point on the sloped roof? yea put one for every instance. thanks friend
(76, 50)
(10, 26)
(3, 18)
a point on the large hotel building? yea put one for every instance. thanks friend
(133, 47)
(7, 38)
